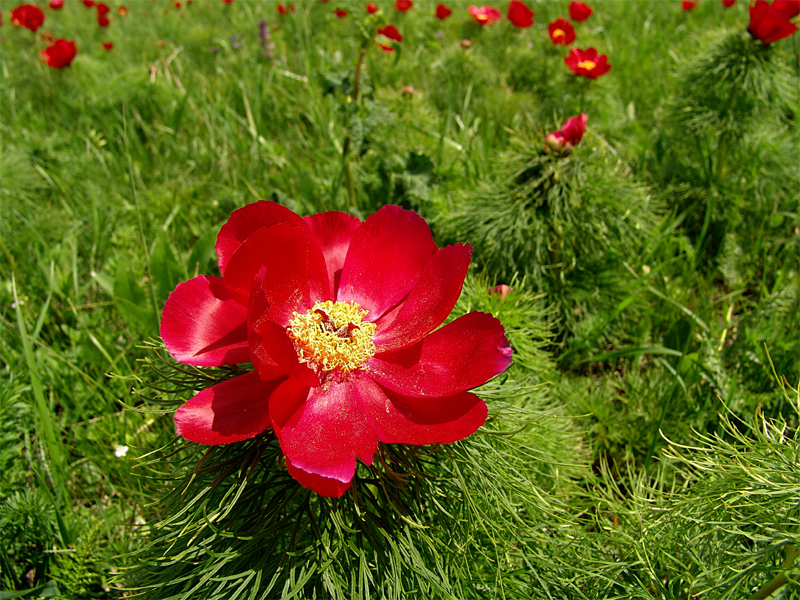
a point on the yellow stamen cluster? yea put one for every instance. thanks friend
(559, 33)
(587, 64)
(333, 336)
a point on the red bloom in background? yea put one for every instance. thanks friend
(442, 12)
(339, 319)
(282, 9)
(403, 5)
(561, 32)
(689, 4)
(227, 1)
(390, 31)
(485, 15)
(103, 21)
(371, 8)
(88, 3)
(60, 53)
(587, 63)
(108, 45)
(578, 11)
(569, 136)
(520, 15)
(122, 11)
(28, 16)
(770, 22)
(728, 3)
(102, 8)
(340, 13)
(56, 4)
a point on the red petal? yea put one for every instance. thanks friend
(323, 431)
(270, 344)
(333, 232)
(429, 303)
(202, 325)
(461, 355)
(295, 275)
(387, 255)
(245, 221)
(316, 483)
(399, 419)
(231, 411)
(256, 314)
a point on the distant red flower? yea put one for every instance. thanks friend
(56, 4)
(340, 320)
(340, 13)
(60, 53)
(569, 136)
(178, 5)
(485, 15)
(102, 8)
(103, 21)
(442, 12)
(108, 45)
(520, 15)
(28, 16)
(403, 5)
(371, 8)
(282, 9)
(578, 11)
(587, 63)
(390, 31)
(728, 3)
(561, 32)
(770, 23)
(122, 11)
(88, 3)
(227, 1)
(689, 4)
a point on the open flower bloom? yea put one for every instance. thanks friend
(371, 8)
(561, 32)
(587, 63)
(442, 12)
(578, 11)
(339, 320)
(56, 4)
(520, 15)
(485, 15)
(689, 4)
(390, 33)
(403, 5)
(28, 16)
(770, 22)
(569, 136)
(60, 53)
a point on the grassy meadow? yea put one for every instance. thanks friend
(645, 442)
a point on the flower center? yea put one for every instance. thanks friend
(332, 336)
(587, 64)
(558, 33)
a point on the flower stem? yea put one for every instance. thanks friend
(351, 188)
(782, 578)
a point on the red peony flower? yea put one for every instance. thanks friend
(520, 15)
(102, 8)
(60, 53)
(88, 3)
(371, 8)
(282, 9)
(390, 31)
(578, 11)
(485, 15)
(770, 22)
(566, 138)
(103, 21)
(108, 45)
(403, 5)
(339, 320)
(689, 4)
(340, 13)
(28, 16)
(587, 63)
(442, 12)
(728, 3)
(561, 32)
(56, 4)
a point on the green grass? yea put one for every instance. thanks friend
(655, 311)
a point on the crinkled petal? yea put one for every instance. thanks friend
(316, 483)
(429, 303)
(399, 419)
(333, 231)
(323, 431)
(203, 325)
(295, 275)
(257, 313)
(231, 411)
(245, 221)
(459, 356)
(386, 257)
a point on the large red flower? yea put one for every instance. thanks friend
(578, 11)
(770, 22)
(60, 53)
(339, 320)
(485, 15)
(587, 63)
(561, 32)
(28, 16)
(519, 14)
(569, 136)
